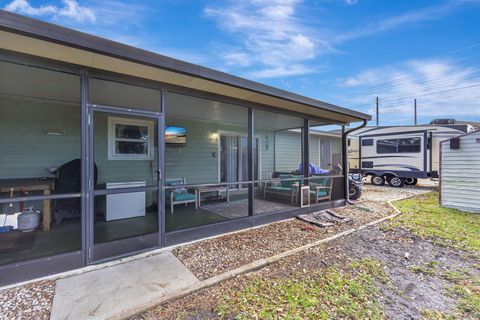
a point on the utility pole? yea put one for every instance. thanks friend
(415, 111)
(376, 111)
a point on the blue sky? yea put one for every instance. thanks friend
(345, 52)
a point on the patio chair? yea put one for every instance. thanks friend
(321, 188)
(179, 195)
(283, 188)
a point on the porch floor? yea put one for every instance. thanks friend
(18, 246)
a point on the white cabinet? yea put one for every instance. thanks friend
(125, 205)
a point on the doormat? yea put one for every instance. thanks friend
(325, 218)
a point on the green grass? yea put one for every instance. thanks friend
(467, 290)
(449, 227)
(348, 293)
(428, 269)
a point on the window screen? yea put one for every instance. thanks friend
(404, 145)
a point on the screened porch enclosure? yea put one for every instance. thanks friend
(206, 162)
(213, 162)
(107, 150)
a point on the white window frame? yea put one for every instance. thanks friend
(112, 122)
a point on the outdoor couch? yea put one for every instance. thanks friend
(282, 187)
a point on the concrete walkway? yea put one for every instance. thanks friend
(108, 292)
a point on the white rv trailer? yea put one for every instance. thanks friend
(399, 155)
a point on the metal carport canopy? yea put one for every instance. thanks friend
(46, 40)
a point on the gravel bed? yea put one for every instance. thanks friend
(386, 193)
(31, 301)
(215, 256)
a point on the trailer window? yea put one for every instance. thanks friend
(367, 142)
(404, 145)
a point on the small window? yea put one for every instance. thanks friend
(404, 145)
(367, 164)
(130, 139)
(367, 142)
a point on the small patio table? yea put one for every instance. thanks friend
(217, 189)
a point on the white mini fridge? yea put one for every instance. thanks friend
(125, 205)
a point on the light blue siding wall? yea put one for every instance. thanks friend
(288, 151)
(196, 161)
(267, 156)
(26, 151)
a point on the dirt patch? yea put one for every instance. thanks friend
(31, 301)
(407, 295)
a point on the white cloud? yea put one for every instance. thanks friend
(271, 36)
(70, 9)
(282, 71)
(442, 87)
(233, 58)
(73, 10)
(407, 19)
(24, 7)
(274, 35)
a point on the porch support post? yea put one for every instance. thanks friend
(251, 162)
(306, 148)
(85, 194)
(161, 171)
(345, 164)
(345, 168)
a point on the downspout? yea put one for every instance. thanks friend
(345, 157)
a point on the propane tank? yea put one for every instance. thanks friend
(28, 220)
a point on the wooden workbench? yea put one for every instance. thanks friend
(28, 185)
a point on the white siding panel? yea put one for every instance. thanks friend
(460, 174)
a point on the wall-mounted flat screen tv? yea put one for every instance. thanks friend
(175, 136)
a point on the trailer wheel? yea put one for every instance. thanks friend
(396, 182)
(377, 180)
(411, 181)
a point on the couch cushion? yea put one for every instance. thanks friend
(280, 189)
(184, 196)
(320, 193)
(289, 183)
